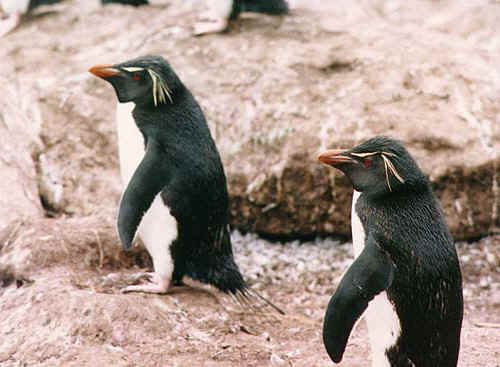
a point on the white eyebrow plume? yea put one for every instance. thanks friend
(363, 155)
(389, 166)
(160, 89)
(133, 69)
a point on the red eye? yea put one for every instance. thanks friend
(367, 162)
(136, 77)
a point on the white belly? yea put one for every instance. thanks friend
(15, 6)
(221, 8)
(158, 228)
(383, 323)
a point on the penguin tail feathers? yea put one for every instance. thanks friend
(271, 7)
(47, 2)
(230, 281)
(246, 298)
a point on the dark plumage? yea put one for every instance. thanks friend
(36, 3)
(408, 253)
(182, 165)
(270, 7)
(126, 2)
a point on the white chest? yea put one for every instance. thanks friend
(15, 6)
(130, 141)
(222, 8)
(158, 228)
(358, 232)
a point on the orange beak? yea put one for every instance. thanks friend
(333, 157)
(104, 71)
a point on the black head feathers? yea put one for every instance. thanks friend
(379, 165)
(144, 80)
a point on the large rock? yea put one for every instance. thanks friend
(276, 91)
(20, 143)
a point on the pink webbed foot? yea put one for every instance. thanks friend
(157, 284)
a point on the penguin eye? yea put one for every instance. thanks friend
(367, 162)
(136, 76)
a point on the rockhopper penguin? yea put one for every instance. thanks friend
(222, 11)
(176, 194)
(406, 274)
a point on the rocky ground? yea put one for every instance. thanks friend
(275, 91)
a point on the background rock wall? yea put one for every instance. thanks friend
(275, 92)
(20, 144)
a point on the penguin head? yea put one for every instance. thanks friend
(378, 166)
(144, 80)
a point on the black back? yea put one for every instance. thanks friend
(271, 7)
(36, 3)
(427, 286)
(126, 2)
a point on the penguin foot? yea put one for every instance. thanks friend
(9, 24)
(215, 26)
(157, 284)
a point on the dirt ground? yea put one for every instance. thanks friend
(74, 315)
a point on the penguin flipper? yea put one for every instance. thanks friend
(147, 181)
(371, 273)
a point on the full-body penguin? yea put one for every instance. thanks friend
(176, 194)
(222, 11)
(406, 273)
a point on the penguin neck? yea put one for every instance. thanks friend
(130, 141)
(147, 113)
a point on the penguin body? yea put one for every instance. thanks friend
(225, 10)
(176, 193)
(406, 274)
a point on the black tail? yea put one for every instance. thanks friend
(219, 270)
(34, 4)
(254, 294)
(126, 2)
(271, 7)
